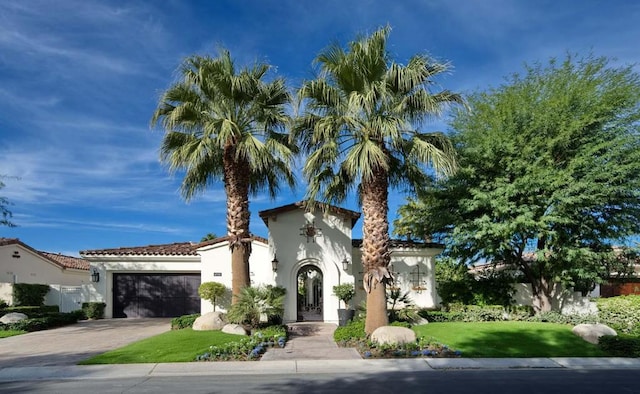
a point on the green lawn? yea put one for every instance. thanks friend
(10, 333)
(172, 346)
(510, 339)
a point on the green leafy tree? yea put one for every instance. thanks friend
(225, 124)
(6, 214)
(549, 175)
(212, 292)
(208, 237)
(359, 128)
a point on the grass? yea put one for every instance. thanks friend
(172, 346)
(510, 339)
(10, 333)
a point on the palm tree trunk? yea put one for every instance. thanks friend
(236, 183)
(375, 248)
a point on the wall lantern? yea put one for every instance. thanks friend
(345, 264)
(16, 254)
(95, 276)
(274, 263)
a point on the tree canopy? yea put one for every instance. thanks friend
(549, 175)
(6, 214)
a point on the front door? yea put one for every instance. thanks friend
(309, 285)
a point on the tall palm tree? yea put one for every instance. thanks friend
(226, 124)
(359, 128)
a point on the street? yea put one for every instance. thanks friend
(543, 381)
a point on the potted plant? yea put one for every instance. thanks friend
(345, 293)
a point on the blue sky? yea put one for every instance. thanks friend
(79, 80)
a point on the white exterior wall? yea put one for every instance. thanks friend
(327, 253)
(34, 268)
(565, 301)
(216, 267)
(404, 261)
(108, 265)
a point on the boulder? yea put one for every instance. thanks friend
(393, 335)
(209, 321)
(234, 329)
(13, 317)
(592, 332)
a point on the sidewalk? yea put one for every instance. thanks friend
(289, 367)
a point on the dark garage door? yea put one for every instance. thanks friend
(156, 295)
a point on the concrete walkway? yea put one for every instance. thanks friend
(311, 341)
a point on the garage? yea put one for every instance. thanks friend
(155, 295)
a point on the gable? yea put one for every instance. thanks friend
(272, 214)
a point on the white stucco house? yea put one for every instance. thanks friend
(306, 252)
(20, 263)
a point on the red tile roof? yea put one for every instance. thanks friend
(67, 261)
(174, 249)
(58, 259)
(399, 243)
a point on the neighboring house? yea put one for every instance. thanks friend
(307, 253)
(20, 263)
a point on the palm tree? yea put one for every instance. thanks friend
(225, 124)
(359, 128)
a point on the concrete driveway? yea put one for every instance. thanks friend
(71, 344)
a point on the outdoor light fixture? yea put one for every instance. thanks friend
(16, 254)
(95, 276)
(274, 263)
(345, 264)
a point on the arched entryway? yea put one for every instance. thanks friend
(309, 293)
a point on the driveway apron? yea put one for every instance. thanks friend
(70, 344)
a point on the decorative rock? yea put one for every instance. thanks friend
(234, 329)
(13, 317)
(592, 332)
(393, 335)
(209, 321)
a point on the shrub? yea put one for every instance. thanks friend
(621, 313)
(3, 304)
(345, 292)
(354, 330)
(42, 323)
(185, 321)
(557, 317)
(93, 310)
(32, 311)
(212, 292)
(247, 348)
(29, 294)
(258, 304)
(621, 345)
(476, 313)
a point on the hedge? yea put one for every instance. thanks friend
(186, 321)
(621, 345)
(42, 323)
(93, 310)
(29, 294)
(32, 311)
(622, 313)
